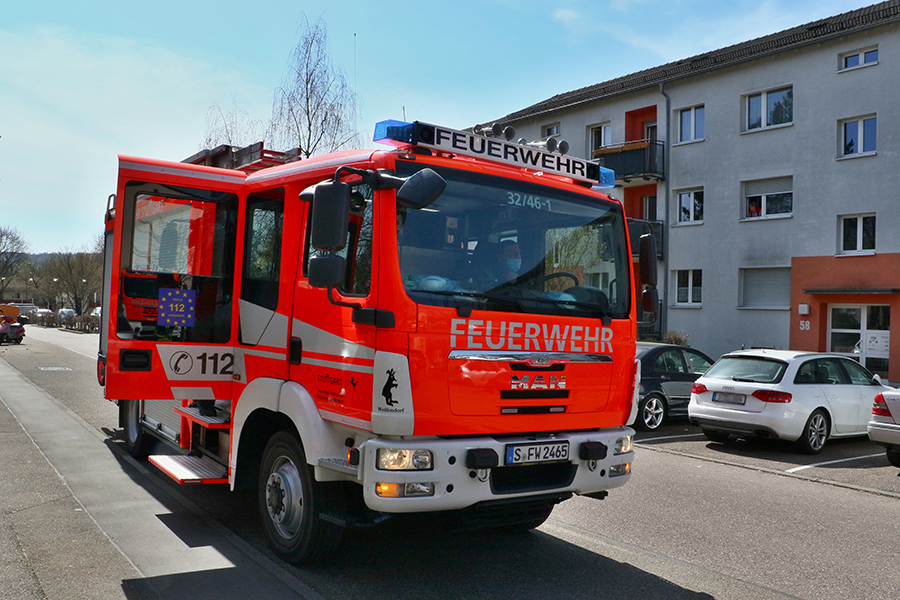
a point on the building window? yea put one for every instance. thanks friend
(690, 206)
(689, 286)
(691, 125)
(859, 135)
(858, 58)
(768, 198)
(769, 109)
(599, 136)
(857, 234)
(766, 287)
(650, 208)
(550, 130)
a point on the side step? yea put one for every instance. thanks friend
(186, 469)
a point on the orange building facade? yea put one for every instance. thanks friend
(844, 304)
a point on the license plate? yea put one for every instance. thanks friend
(729, 398)
(520, 454)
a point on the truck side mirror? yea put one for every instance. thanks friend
(327, 271)
(650, 300)
(330, 216)
(647, 259)
(421, 189)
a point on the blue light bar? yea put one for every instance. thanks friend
(607, 178)
(395, 133)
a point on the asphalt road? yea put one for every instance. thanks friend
(698, 519)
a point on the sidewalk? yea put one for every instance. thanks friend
(50, 547)
(81, 520)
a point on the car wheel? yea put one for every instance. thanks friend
(651, 413)
(893, 457)
(815, 433)
(714, 435)
(291, 502)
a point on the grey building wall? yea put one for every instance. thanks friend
(824, 185)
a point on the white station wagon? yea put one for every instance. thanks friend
(803, 397)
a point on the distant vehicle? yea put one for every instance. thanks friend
(97, 312)
(42, 312)
(667, 374)
(884, 426)
(804, 397)
(65, 314)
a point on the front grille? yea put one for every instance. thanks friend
(531, 478)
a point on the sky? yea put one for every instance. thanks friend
(82, 82)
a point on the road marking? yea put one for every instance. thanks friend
(668, 437)
(831, 462)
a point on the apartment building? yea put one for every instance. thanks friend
(770, 171)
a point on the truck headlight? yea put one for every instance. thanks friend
(624, 445)
(394, 459)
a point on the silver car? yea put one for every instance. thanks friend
(805, 397)
(884, 428)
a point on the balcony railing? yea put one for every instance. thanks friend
(640, 159)
(638, 227)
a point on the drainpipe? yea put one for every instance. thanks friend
(664, 312)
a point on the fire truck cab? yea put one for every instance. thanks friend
(444, 326)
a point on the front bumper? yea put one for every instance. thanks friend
(457, 486)
(886, 434)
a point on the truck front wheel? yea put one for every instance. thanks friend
(291, 502)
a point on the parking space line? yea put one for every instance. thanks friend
(832, 462)
(668, 437)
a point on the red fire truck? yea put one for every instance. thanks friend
(444, 326)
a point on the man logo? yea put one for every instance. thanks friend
(540, 382)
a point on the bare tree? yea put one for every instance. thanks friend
(314, 108)
(234, 128)
(75, 275)
(13, 248)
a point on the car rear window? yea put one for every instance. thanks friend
(747, 368)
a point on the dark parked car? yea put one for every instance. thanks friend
(667, 374)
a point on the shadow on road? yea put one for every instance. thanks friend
(409, 557)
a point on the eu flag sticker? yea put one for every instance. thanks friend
(176, 307)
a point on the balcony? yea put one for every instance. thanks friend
(638, 227)
(637, 160)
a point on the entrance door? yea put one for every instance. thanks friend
(861, 332)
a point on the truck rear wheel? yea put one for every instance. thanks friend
(137, 441)
(291, 502)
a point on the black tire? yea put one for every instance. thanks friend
(815, 433)
(652, 413)
(714, 435)
(18, 340)
(893, 457)
(291, 502)
(137, 441)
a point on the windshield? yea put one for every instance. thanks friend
(490, 243)
(756, 370)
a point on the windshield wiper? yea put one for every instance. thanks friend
(604, 316)
(477, 295)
